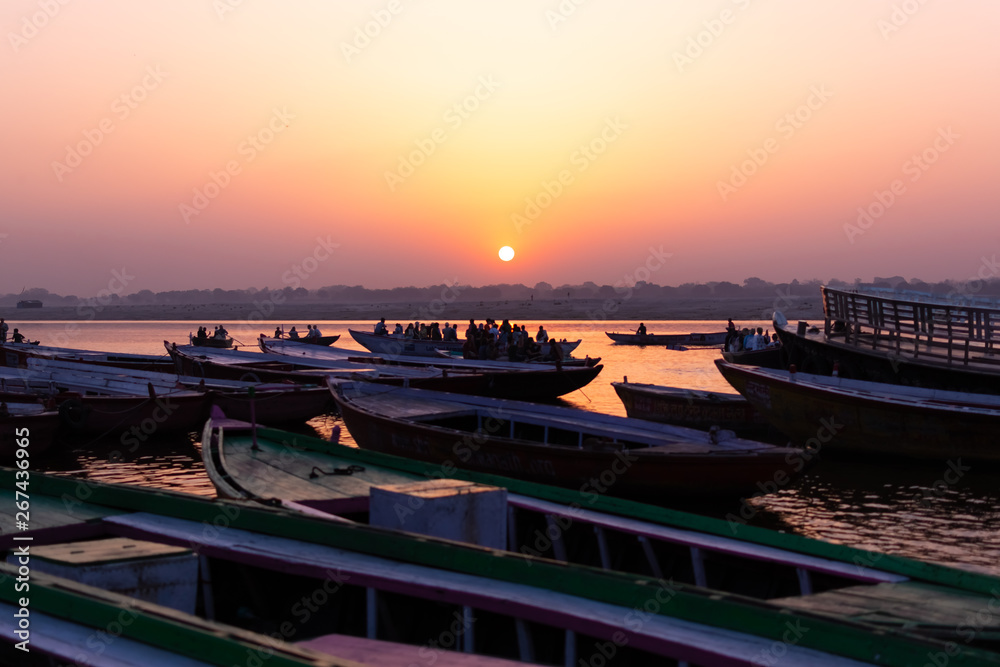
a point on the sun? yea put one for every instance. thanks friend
(506, 253)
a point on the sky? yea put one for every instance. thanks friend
(198, 144)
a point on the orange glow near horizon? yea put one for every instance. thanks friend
(208, 145)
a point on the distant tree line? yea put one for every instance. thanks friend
(356, 294)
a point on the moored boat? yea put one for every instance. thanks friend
(312, 340)
(103, 399)
(768, 357)
(26, 421)
(870, 418)
(211, 341)
(393, 345)
(578, 449)
(498, 379)
(900, 337)
(17, 356)
(673, 340)
(694, 408)
(254, 571)
(571, 361)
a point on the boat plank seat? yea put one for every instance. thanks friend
(903, 603)
(701, 644)
(109, 550)
(391, 654)
(706, 541)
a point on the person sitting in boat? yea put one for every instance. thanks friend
(515, 351)
(17, 337)
(641, 331)
(555, 351)
(398, 331)
(531, 349)
(202, 334)
(775, 341)
(436, 331)
(293, 334)
(221, 332)
(3, 331)
(449, 333)
(542, 336)
(380, 328)
(470, 348)
(472, 330)
(277, 332)
(409, 331)
(316, 332)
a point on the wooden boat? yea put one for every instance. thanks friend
(256, 571)
(838, 414)
(498, 379)
(769, 357)
(907, 338)
(19, 419)
(393, 345)
(17, 356)
(587, 361)
(692, 408)
(611, 534)
(99, 399)
(211, 341)
(315, 340)
(591, 452)
(696, 339)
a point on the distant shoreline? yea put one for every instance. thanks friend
(686, 308)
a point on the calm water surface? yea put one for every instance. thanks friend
(946, 512)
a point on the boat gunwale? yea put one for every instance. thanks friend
(846, 637)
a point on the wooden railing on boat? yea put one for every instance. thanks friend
(962, 331)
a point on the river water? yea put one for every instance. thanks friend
(947, 512)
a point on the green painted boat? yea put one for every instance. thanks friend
(786, 573)
(269, 577)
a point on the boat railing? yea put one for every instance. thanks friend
(954, 332)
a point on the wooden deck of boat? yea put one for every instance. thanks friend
(906, 604)
(378, 652)
(270, 472)
(49, 512)
(405, 405)
(692, 641)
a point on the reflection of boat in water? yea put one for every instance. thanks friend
(704, 339)
(839, 414)
(905, 338)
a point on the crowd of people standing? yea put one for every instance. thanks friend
(738, 340)
(485, 340)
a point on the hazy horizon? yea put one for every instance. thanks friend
(388, 143)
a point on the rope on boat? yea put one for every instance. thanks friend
(349, 470)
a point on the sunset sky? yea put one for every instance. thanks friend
(227, 143)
